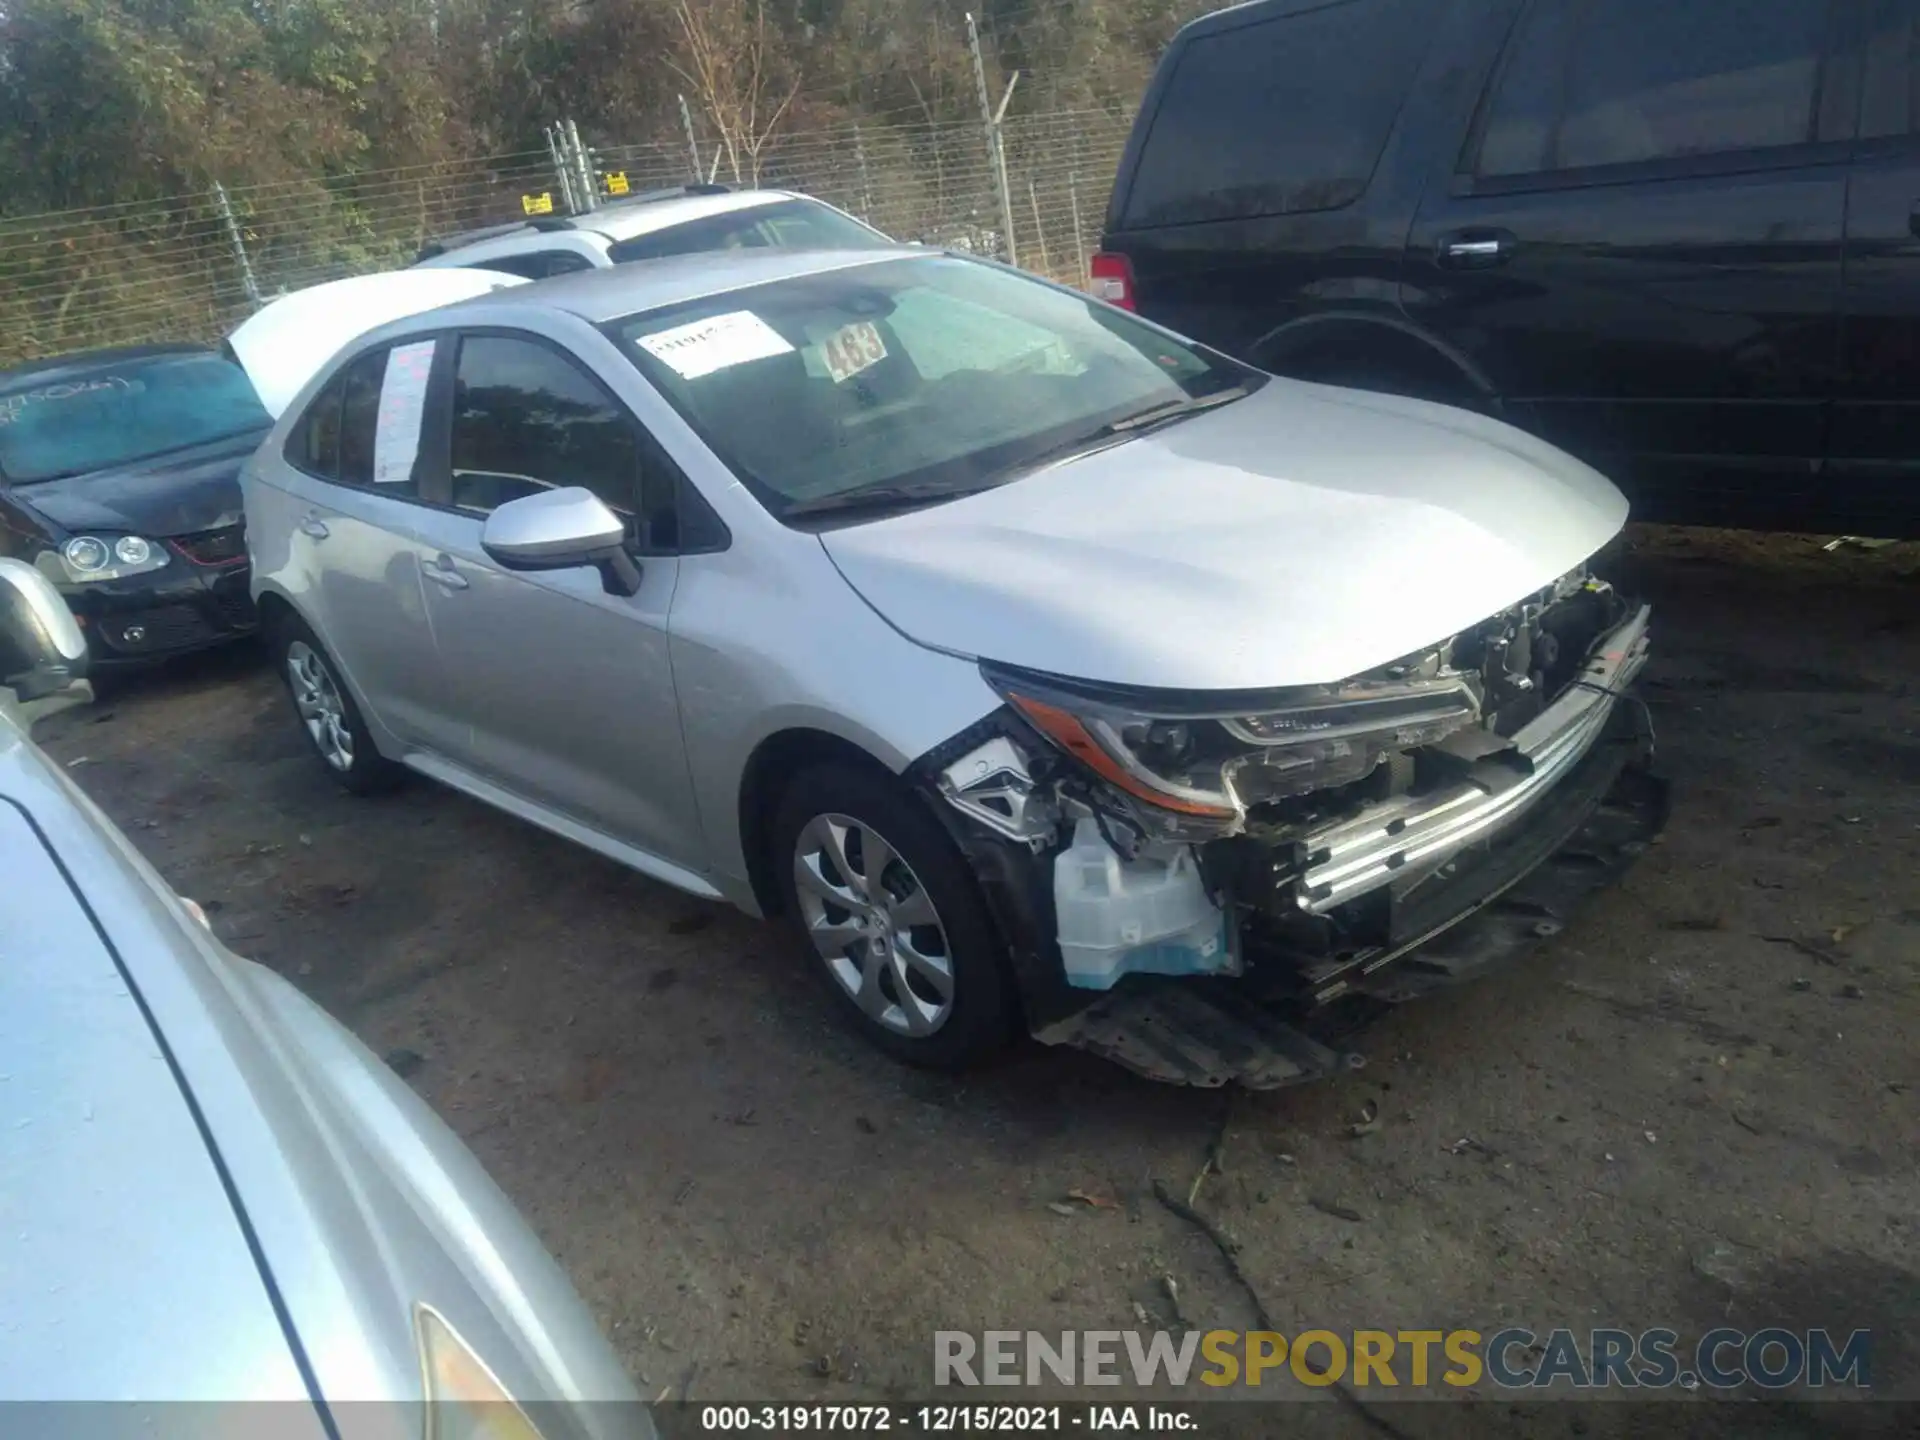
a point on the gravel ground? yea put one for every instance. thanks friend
(1696, 1106)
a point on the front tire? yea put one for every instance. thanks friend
(328, 716)
(890, 916)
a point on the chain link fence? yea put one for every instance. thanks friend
(191, 267)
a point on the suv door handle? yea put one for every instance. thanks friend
(440, 570)
(1475, 249)
(312, 526)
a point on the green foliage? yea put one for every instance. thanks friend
(347, 131)
(106, 101)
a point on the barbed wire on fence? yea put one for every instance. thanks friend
(190, 268)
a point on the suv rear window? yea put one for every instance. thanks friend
(1279, 116)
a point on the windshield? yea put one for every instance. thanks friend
(122, 412)
(933, 373)
(786, 224)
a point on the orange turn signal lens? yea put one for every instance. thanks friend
(1064, 728)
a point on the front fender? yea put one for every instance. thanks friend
(770, 641)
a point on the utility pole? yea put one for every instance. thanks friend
(866, 185)
(562, 169)
(1039, 232)
(238, 241)
(996, 153)
(583, 167)
(693, 145)
(1079, 239)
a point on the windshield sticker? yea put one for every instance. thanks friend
(851, 349)
(720, 343)
(403, 396)
(12, 405)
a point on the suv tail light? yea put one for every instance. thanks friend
(1112, 277)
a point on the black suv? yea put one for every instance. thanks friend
(1679, 238)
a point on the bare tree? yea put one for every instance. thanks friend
(728, 58)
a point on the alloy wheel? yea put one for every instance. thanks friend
(317, 697)
(874, 924)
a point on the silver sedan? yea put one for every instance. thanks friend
(1046, 670)
(209, 1190)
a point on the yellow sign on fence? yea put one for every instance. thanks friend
(541, 204)
(616, 182)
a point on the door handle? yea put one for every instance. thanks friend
(440, 570)
(1476, 249)
(312, 526)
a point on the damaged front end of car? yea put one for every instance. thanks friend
(1215, 888)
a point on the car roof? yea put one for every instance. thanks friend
(601, 295)
(80, 362)
(636, 215)
(643, 217)
(463, 238)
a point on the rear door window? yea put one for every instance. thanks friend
(1630, 81)
(364, 428)
(1280, 116)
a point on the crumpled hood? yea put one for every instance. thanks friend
(178, 494)
(1296, 537)
(283, 344)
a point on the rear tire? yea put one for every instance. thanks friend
(328, 715)
(890, 917)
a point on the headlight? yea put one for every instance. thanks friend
(464, 1400)
(84, 555)
(88, 558)
(1211, 764)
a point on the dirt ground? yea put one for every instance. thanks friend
(1698, 1106)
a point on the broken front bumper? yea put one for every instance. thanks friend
(1401, 838)
(1246, 965)
(1508, 893)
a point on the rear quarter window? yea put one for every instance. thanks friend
(1280, 116)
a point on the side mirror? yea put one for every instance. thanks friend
(43, 655)
(562, 530)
